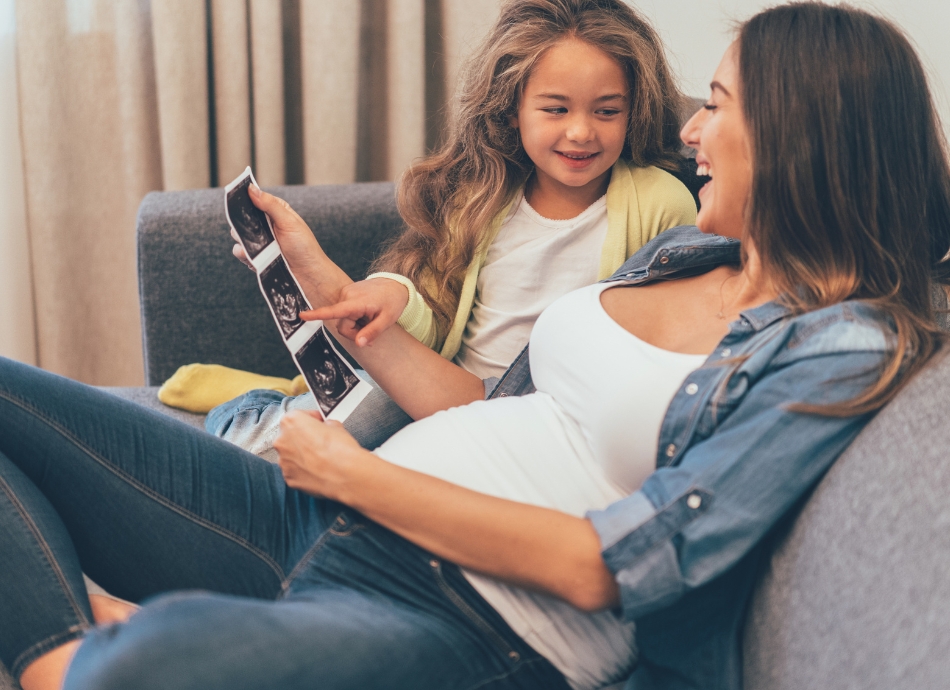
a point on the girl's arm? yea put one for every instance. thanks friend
(419, 380)
(533, 547)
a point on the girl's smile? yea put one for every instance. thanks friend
(572, 117)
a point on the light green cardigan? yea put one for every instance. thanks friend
(641, 203)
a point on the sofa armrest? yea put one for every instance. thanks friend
(201, 305)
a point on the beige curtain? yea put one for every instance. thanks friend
(106, 100)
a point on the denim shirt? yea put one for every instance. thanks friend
(732, 460)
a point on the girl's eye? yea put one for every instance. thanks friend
(609, 112)
(556, 110)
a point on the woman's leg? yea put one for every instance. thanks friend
(149, 505)
(142, 503)
(364, 610)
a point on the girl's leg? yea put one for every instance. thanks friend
(143, 503)
(252, 420)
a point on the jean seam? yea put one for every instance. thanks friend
(486, 628)
(154, 495)
(309, 554)
(514, 669)
(35, 651)
(47, 552)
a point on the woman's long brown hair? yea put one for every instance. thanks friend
(449, 199)
(851, 189)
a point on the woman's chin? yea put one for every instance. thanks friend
(703, 222)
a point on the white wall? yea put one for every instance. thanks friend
(697, 32)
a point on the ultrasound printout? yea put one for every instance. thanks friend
(333, 382)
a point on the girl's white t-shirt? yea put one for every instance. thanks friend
(533, 261)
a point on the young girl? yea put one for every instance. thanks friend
(550, 179)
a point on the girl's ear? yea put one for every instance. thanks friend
(513, 121)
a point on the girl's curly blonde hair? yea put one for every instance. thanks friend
(449, 199)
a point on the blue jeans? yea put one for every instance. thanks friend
(251, 421)
(275, 588)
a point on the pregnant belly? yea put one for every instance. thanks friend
(524, 449)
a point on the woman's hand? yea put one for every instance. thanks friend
(317, 457)
(365, 309)
(238, 251)
(320, 278)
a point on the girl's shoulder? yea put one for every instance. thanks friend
(659, 193)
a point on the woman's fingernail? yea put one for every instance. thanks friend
(255, 189)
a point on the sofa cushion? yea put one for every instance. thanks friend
(148, 397)
(857, 592)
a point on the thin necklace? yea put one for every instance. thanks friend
(722, 302)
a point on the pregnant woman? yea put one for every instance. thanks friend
(539, 540)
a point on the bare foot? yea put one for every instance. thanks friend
(48, 671)
(109, 610)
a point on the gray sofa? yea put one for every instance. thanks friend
(856, 593)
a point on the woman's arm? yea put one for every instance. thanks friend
(419, 380)
(533, 547)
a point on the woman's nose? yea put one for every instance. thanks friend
(690, 132)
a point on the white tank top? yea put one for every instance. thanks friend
(587, 438)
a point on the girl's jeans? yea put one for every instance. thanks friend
(252, 421)
(284, 590)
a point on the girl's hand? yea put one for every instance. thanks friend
(365, 309)
(317, 457)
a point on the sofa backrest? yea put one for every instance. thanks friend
(856, 594)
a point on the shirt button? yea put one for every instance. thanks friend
(502, 395)
(691, 389)
(694, 501)
(726, 352)
(670, 450)
(434, 563)
(664, 259)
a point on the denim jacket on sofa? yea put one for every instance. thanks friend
(731, 462)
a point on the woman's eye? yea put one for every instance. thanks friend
(709, 106)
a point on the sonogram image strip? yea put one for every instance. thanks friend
(333, 382)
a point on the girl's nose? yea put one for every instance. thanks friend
(579, 130)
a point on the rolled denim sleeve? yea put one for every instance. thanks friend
(691, 522)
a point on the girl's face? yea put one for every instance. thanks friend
(573, 117)
(721, 138)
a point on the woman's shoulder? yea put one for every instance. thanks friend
(842, 328)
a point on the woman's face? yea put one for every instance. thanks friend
(719, 134)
